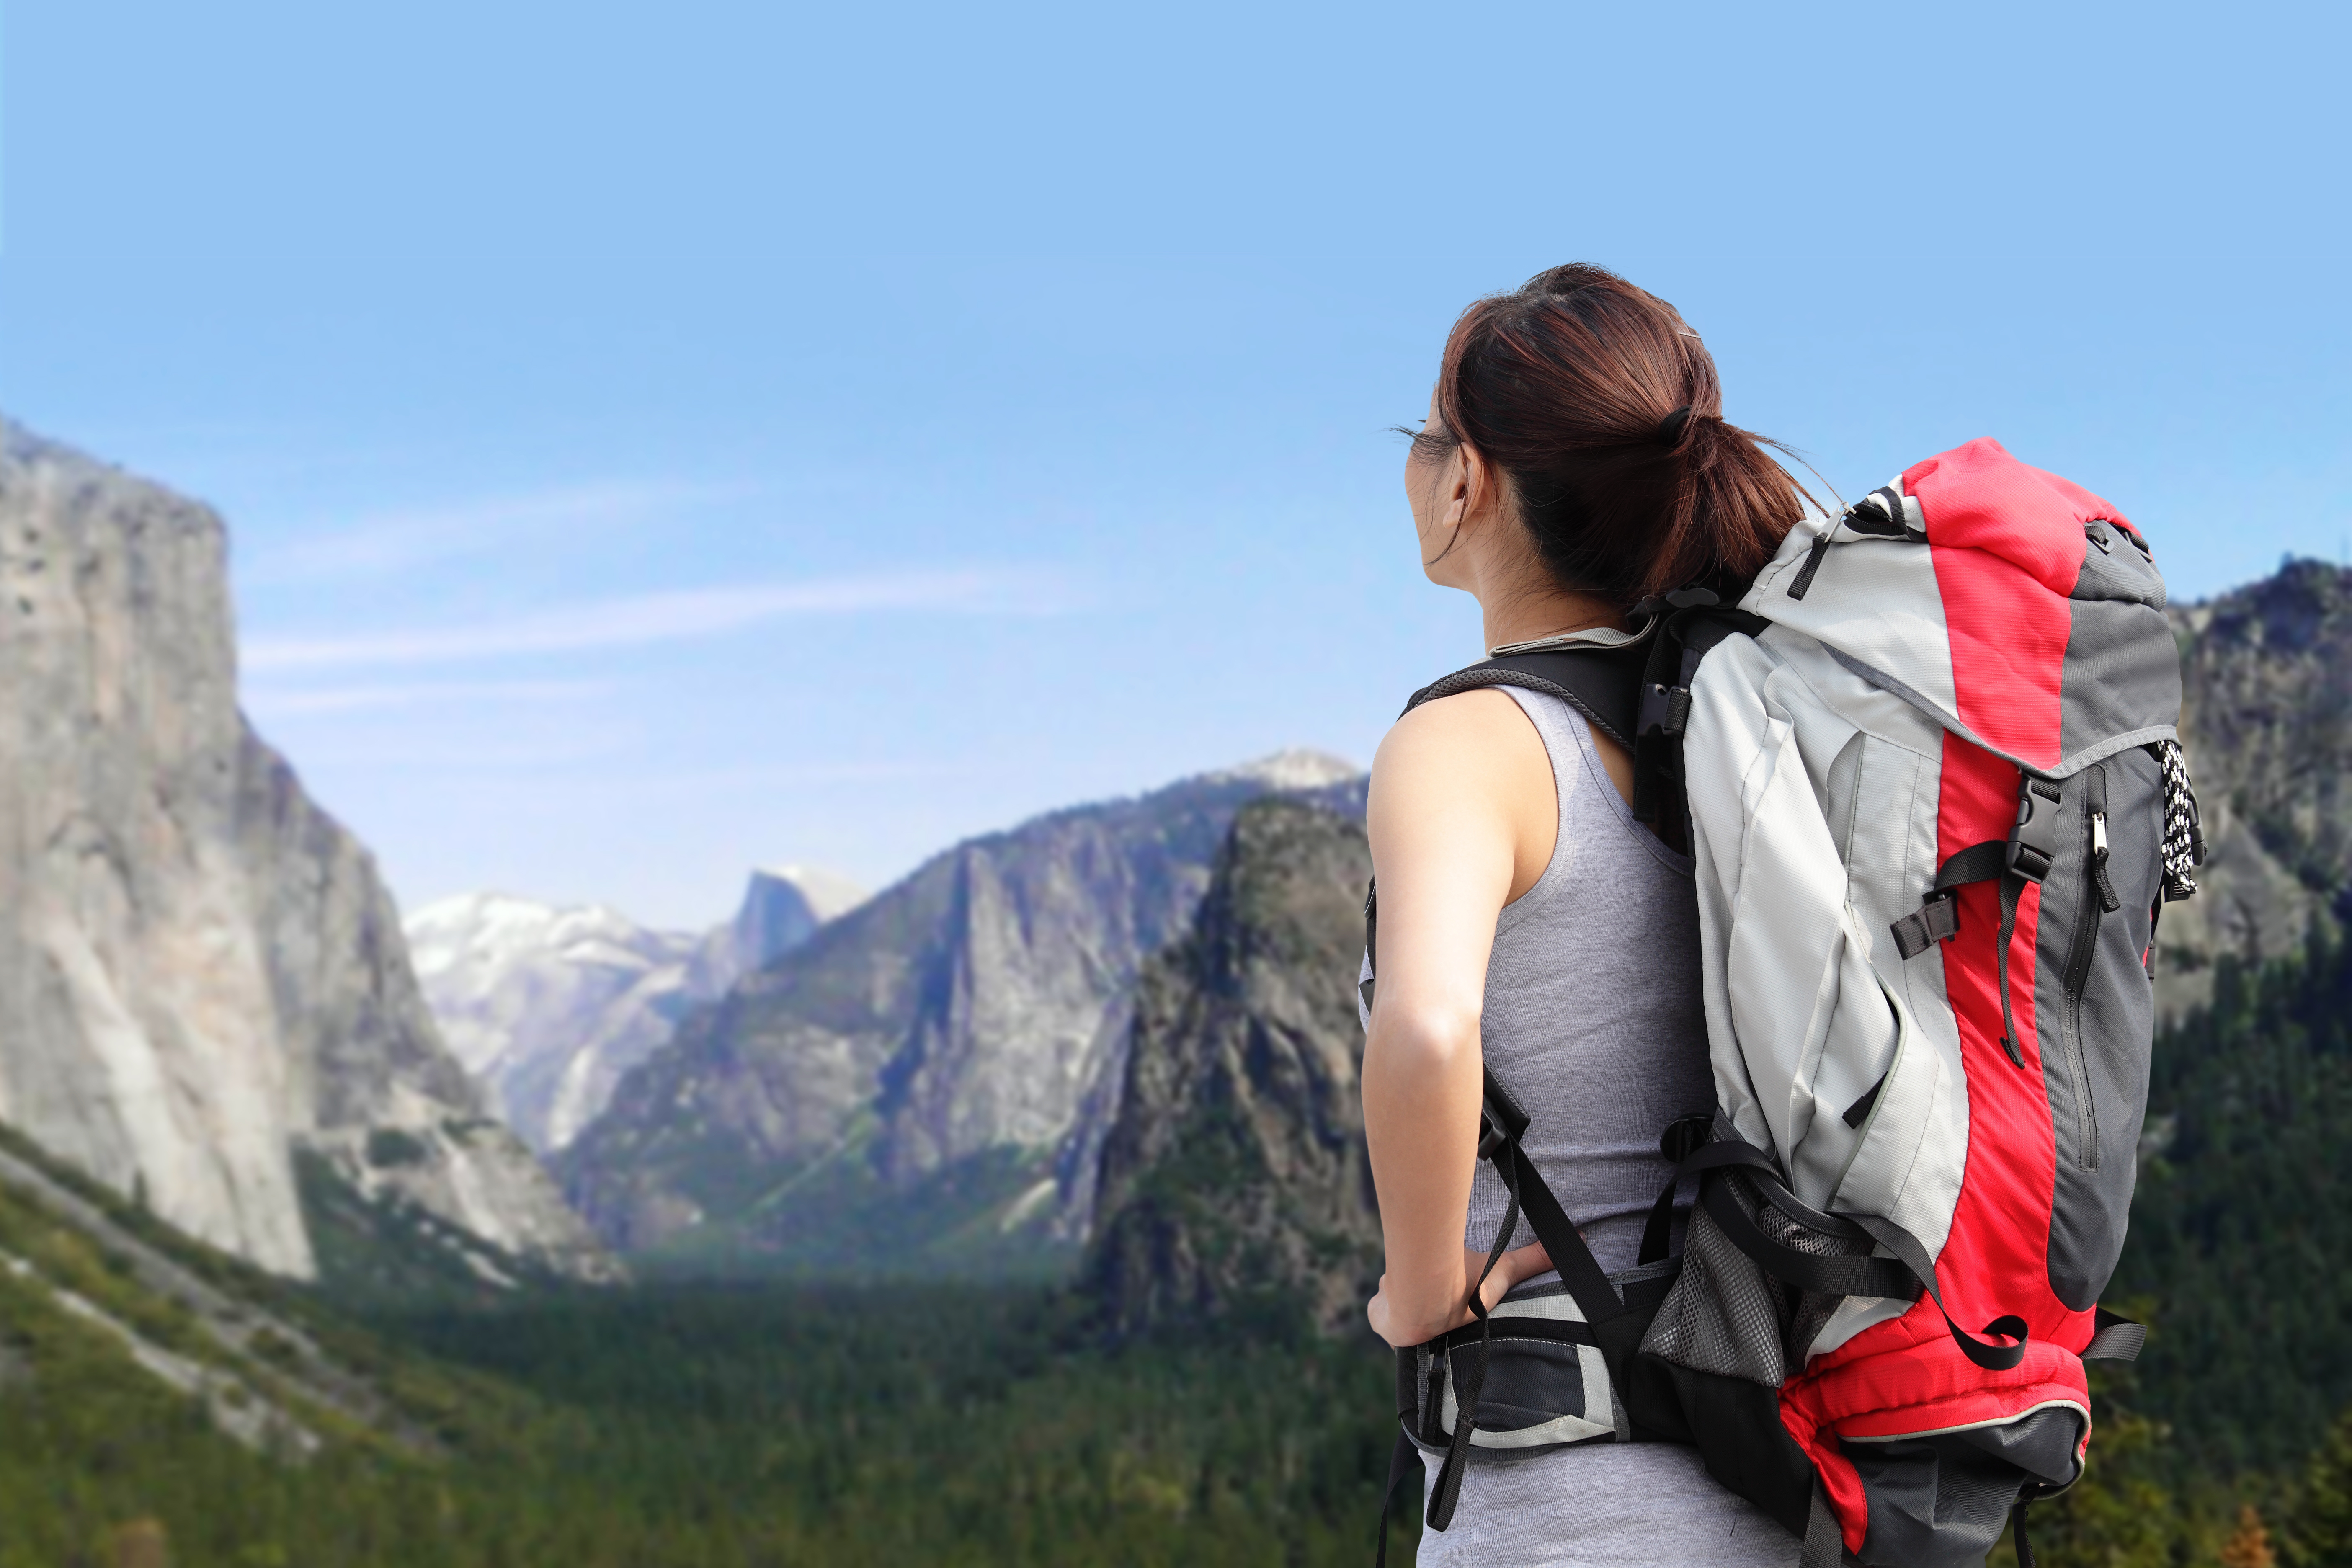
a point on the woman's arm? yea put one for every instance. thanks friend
(1463, 816)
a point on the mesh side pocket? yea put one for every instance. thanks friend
(1803, 1311)
(1723, 1315)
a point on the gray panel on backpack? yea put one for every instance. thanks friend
(2121, 676)
(2095, 1008)
(1941, 1501)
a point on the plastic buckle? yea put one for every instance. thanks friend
(1938, 920)
(1685, 1136)
(1665, 711)
(1491, 1136)
(2034, 842)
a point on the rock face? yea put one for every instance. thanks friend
(200, 971)
(548, 1007)
(783, 908)
(2266, 675)
(1235, 1179)
(936, 1067)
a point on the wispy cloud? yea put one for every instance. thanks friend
(278, 703)
(403, 540)
(674, 616)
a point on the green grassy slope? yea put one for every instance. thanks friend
(663, 1428)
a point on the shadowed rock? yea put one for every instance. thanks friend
(1234, 1180)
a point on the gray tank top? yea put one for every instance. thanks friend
(1594, 1024)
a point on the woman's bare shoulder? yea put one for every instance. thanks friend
(1476, 745)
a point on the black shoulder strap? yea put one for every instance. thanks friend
(1638, 695)
(1602, 684)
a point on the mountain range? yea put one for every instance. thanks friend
(212, 1008)
(547, 1007)
(926, 1084)
(931, 1083)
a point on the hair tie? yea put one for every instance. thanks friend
(1670, 428)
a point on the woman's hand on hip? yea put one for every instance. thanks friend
(1511, 1269)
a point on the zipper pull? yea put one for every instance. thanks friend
(2108, 898)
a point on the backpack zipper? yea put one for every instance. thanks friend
(2098, 898)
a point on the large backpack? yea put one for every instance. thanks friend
(1928, 772)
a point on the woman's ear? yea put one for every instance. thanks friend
(1473, 488)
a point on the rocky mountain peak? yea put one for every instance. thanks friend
(1236, 1175)
(2266, 722)
(782, 907)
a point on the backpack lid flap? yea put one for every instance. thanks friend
(1977, 606)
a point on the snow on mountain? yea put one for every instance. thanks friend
(547, 1007)
(1294, 769)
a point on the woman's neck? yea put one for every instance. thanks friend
(1525, 617)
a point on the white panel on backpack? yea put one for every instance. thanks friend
(1874, 600)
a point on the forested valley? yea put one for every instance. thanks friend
(677, 1426)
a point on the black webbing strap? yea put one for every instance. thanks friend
(1985, 1353)
(1404, 1464)
(1847, 1274)
(1579, 1270)
(2033, 851)
(1469, 1380)
(2116, 1338)
(1503, 1122)
(2013, 889)
(1824, 1537)
(2025, 1558)
(1976, 863)
(1684, 1137)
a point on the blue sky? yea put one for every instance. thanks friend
(662, 440)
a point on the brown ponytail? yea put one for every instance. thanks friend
(1603, 410)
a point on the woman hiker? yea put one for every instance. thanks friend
(1574, 460)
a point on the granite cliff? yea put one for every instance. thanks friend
(926, 1083)
(1234, 1178)
(203, 981)
(2266, 681)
